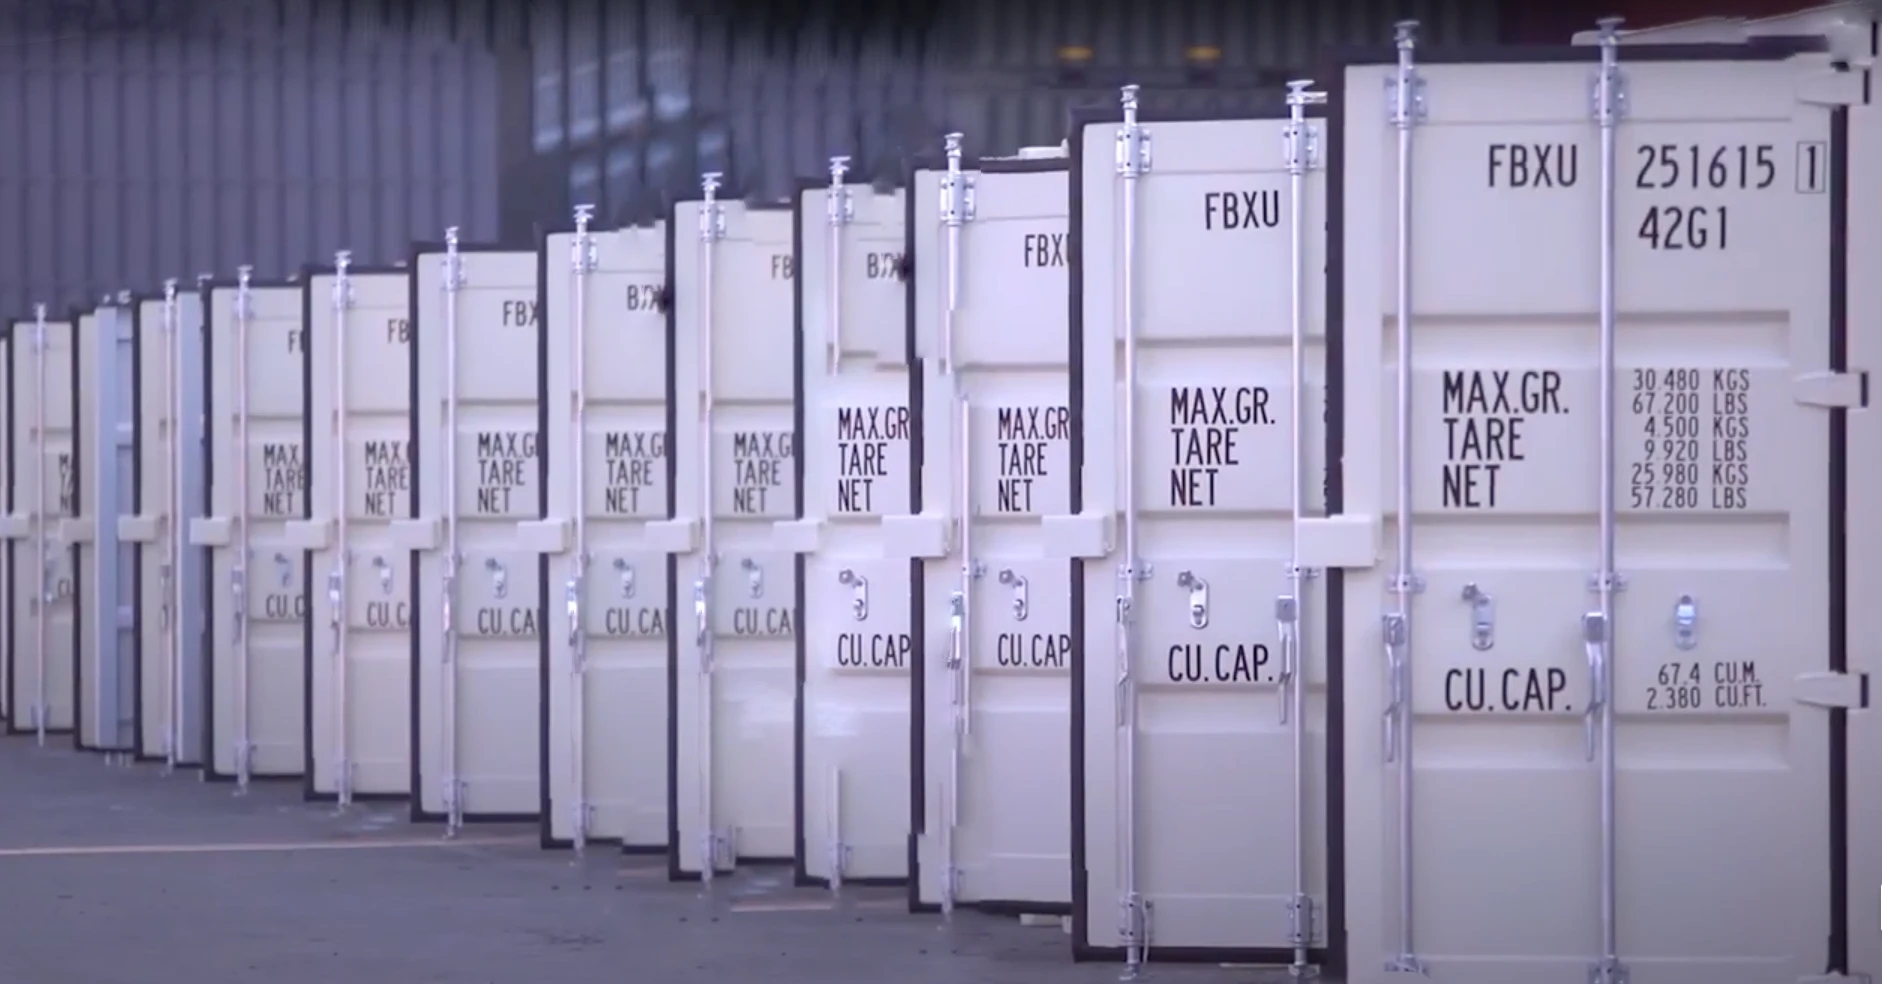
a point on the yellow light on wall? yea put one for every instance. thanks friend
(1203, 54)
(1074, 54)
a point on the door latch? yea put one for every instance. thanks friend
(1198, 598)
(384, 568)
(284, 569)
(859, 587)
(1685, 622)
(499, 578)
(1017, 582)
(626, 570)
(754, 577)
(1482, 617)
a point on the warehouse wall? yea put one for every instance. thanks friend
(632, 100)
(159, 138)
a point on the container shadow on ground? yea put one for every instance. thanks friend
(113, 874)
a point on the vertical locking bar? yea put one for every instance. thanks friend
(244, 318)
(711, 230)
(343, 548)
(957, 209)
(1133, 160)
(842, 210)
(1405, 113)
(47, 581)
(1302, 152)
(173, 532)
(452, 269)
(1609, 107)
(581, 266)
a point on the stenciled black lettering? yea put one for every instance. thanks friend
(1234, 210)
(863, 436)
(1544, 165)
(1241, 662)
(628, 461)
(1042, 249)
(763, 622)
(387, 477)
(1032, 650)
(1022, 437)
(1522, 690)
(506, 621)
(638, 622)
(873, 651)
(878, 265)
(1206, 423)
(1486, 413)
(68, 484)
(519, 314)
(758, 466)
(283, 479)
(505, 463)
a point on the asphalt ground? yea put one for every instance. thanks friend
(120, 874)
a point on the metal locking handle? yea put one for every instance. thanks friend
(1395, 635)
(49, 577)
(957, 661)
(1594, 636)
(1018, 583)
(572, 598)
(1287, 620)
(163, 610)
(450, 591)
(701, 629)
(335, 598)
(859, 587)
(238, 590)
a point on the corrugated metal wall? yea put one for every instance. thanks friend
(165, 138)
(633, 99)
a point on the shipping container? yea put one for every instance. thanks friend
(164, 139)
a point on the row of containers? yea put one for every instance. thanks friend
(1028, 533)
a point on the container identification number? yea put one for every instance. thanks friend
(1694, 226)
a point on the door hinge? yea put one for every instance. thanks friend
(1833, 689)
(1832, 389)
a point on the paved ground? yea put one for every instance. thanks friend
(122, 875)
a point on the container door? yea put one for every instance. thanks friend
(478, 427)
(856, 429)
(45, 493)
(1628, 686)
(1203, 736)
(358, 429)
(105, 631)
(169, 492)
(258, 485)
(995, 779)
(609, 432)
(734, 685)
